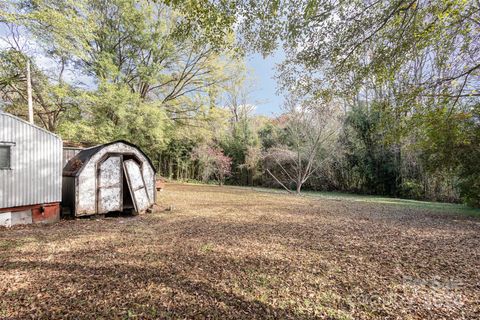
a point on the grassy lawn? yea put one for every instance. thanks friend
(238, 253)
(414, 204)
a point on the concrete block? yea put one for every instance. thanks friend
(6, 219)
(22, 217)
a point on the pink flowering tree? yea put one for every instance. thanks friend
(213, 163)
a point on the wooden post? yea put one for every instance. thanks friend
(29, 93)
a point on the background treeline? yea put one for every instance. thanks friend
(381, 96)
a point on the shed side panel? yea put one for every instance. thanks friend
(86, 190)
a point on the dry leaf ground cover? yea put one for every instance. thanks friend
(233, 253)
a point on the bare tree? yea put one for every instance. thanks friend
(237, 97)
(310, 134)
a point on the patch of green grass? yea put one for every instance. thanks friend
(452, 208)
(338, 314)
(13, 244)
(265, 281)
(5, 245)
(206, 248)
(416, 204)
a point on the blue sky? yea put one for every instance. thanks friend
(264, 93)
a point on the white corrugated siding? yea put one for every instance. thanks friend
(36, 165)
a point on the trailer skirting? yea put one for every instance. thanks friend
(39, 213)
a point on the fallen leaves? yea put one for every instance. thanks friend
(232, 253)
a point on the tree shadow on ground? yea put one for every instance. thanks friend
(118, 290)
(243, 259)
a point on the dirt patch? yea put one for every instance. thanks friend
(233, 253)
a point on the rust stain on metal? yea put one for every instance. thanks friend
(46, 214)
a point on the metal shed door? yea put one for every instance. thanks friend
(109, 194)
(136, 184)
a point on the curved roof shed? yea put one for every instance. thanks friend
(116, 176)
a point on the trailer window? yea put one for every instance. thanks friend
(5, 156)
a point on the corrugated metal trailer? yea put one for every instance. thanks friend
(116, 176)
(30, 172)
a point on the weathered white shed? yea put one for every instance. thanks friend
(112, 177)
(30, 172)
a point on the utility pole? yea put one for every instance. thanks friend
(29, 93)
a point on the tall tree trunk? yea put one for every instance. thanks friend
(177, 173)
(299, 188)
(170, 168)
(159, 163)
